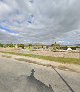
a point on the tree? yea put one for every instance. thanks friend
(10, 45)
(1, 45)
(30, 45)
(55, 46)
(64, 47)
(21, 45)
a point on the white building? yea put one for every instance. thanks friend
(69, 49)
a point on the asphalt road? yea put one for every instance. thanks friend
(16, 76)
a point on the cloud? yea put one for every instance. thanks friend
(4, 8)
(8, 31)
(41, 21)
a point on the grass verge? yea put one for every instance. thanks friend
(50, 58)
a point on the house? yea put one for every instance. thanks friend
(40, 47)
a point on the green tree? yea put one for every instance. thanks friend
(21, 45)
(1, 45)
(30, 45)
(10, 45)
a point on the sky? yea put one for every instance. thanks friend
(40, 21)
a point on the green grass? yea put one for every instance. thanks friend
(50, 58)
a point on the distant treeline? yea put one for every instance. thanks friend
(11, 45)
(54, 46)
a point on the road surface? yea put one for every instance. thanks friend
(19, 76)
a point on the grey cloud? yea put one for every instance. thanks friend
(52, 18)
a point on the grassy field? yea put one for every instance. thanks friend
(50, 58)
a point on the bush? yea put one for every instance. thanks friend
(21, 45)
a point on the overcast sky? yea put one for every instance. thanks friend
(35, 21)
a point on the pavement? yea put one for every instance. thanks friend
(20, 76)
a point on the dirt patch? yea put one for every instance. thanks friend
(66, 68)
(61, 67)
(57, 54)
(34, 62)
(6, 56)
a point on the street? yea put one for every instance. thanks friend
(20, 76)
